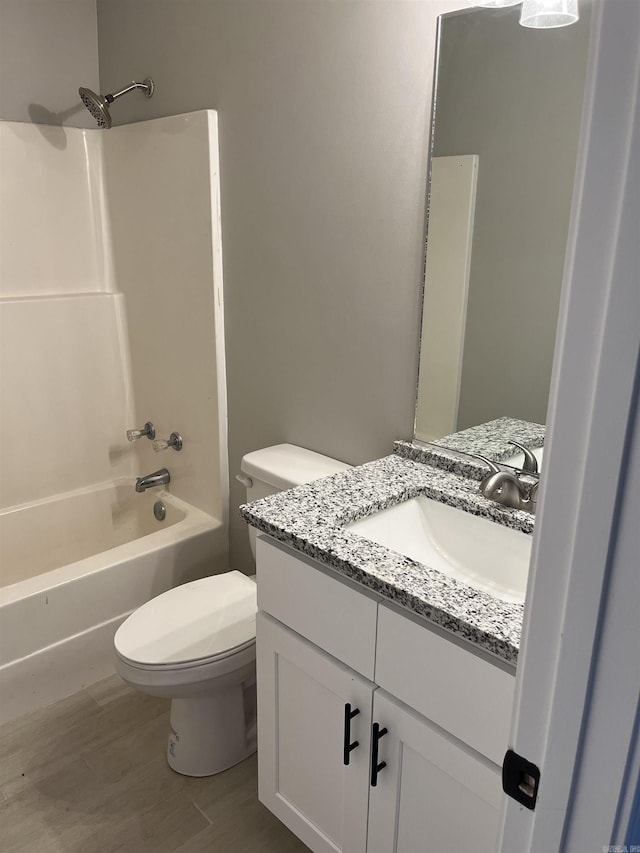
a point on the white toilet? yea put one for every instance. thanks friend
(195, 644)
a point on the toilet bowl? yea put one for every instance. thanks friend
(195, 644)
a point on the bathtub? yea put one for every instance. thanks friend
(72, 568)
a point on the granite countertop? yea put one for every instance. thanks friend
(490, 439)
(311, 519)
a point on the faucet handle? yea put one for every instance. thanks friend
(530, 464)
(174, 440)
(532, 497)
(149, 430)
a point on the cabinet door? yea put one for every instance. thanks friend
(433, 795)
(302, 777)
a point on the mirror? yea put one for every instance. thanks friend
(506, 121)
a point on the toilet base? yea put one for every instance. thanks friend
(211, 733)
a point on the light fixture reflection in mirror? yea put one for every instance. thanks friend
(548, 14)
(537, 14)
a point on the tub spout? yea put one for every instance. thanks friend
(158, 478)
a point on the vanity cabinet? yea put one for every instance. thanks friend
(369, 741)
(432, 795)
(302, 777)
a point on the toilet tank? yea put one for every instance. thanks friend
(282, 466)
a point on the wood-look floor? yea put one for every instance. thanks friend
(89, 775)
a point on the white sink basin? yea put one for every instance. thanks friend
(483, 554)
(517, 460)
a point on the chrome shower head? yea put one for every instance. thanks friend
(98, 105)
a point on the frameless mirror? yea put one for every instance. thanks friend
(507, 109)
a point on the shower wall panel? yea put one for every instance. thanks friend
(50, 211)
(162, 190)
(65, 393)
(111, 309)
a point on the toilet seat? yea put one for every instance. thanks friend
(192, 625)
(243, 652)
(189, 680)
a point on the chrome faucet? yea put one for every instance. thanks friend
(506, 487)
(158, 478)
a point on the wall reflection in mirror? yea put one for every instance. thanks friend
(507, 110)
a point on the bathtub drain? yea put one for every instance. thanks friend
(159, 510)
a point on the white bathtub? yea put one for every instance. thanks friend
(73, 567)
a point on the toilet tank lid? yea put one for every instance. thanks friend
(285, 465)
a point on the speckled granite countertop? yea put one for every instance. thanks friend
(311, 519)
(490, 439)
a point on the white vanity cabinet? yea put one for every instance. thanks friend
(302, 777)
(337, 666)
(433, 795)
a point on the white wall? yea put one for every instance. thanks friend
(64, 370)
(51, 211)
(323, 111)
(48, 48)
(162, 196)
(111, 307)
(64, 386)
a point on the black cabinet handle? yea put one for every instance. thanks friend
(376, 734)
(348, 746)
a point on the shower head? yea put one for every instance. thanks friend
(98, 105)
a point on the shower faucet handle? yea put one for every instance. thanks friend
(174, 440)
(148, 430)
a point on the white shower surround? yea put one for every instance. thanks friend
(111, 313)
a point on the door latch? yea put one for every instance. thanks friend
(520, 779)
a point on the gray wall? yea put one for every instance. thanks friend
(323, 109)
(48, 48)
(513, 96)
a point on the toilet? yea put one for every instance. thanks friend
(196, 643)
